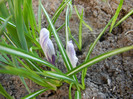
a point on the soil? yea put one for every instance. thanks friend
(108, 79)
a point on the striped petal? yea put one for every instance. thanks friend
(71, 53)
(47, 45)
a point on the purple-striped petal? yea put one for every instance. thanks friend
(47, 45)
(71, 53)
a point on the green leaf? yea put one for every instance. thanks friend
(15, 64)
(3, 10)
(98, 59)
(24, 54)
(23, 81)
(39, 16)
(59, 76)
(116, 15)
(2, 59)
(19, 23)
(80, 31)
(95, 42)
(70, 88)
(10, 4)
(59, 10)
(124, 18)
(67, 24)
(28, 74)
(81, 18)
(9, 23)
(3, 26)
(78, 94)
(34, 94)
(4, 93)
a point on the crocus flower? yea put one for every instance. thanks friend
(47, 45)
(71, 53)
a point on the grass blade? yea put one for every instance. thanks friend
(24, 54)
(11, 9)
(24, 73)
(39, 16)
(34, 94)
(67, 24)
(83, 20)
(3, 10)
(78, 94)
(124, 18)
(59, 76)
(116, 15)
(9, 23)
(4, 93)
(59, 10)
(70, 88)
(80, 31)
(15, 64)
(19, 24)
(98, 59)
(3, 26)
(95, 42)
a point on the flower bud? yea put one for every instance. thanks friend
(47, 45)
(71, 53)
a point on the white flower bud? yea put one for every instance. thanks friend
(71, 53)
(47, 45)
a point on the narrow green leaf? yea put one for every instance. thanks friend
(19, 23)
(22, 72)
(95, 42)
(83, 20)
(78, 94)
(60, 27)
(23, 81)
(59, 76)
(7, 58)
(59, 10)
(24, 54)
(2, 59)
(4, 93)
(3, 26)
(80, 31)
(9, 23)
(124, 18)
(26, 13)
(34, 94)
(116, 15)
(73, 38)
(10, 40)
(98, 59)
(70, 88)
(90, 51)
(39, 16)
(11, 9)
(67, 24)
(3, 10)
(15, 64)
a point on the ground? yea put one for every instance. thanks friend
(108, 79)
